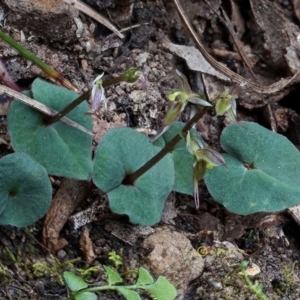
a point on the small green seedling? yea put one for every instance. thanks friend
(115, 258)
(162, 289)
(256, 289)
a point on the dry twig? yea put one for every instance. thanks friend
(40, 107)
(261, 89)
(90, 12)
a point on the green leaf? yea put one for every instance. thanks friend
(86, 296)
(60, 148)
(262, 172)
(74, 282)
(121, 152)
(113, 276)
(25, 190)
(183, 160)
(162, 289)
(144, 277)
(128, 294)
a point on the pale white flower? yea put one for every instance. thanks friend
(98, 94)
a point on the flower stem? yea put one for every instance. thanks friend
(130, 179)
(48, 120)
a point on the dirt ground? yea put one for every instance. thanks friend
(80, 48)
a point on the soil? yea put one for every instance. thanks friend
(80, 48)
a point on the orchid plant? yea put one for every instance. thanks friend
(138, 175)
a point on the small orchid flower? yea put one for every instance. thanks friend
(204, 158)
(180, 98)
(98, 94)
(226, 104)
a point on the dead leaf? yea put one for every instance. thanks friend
(234, 77)
(86, 246)
(69, 195)
(195, 60)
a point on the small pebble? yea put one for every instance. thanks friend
(61, 254)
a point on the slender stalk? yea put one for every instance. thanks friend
(86, 95)
(37, 61)
(49, 120)
(130, 179)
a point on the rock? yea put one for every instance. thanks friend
(47, 19)
(61, 254)
(173, 257)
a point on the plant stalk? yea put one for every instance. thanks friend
(130, 179)
(37, 61)
(49, 120)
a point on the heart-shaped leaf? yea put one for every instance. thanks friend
(60, 148)
(262, 172)
(25, 190)
(121, 152)
(183, 160)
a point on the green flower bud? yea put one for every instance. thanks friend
(204, 158)
(173, 112)
(226, 104)
(194, 143)
(222, 106)
(130, 75)
(178, 96)
(181, 97)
